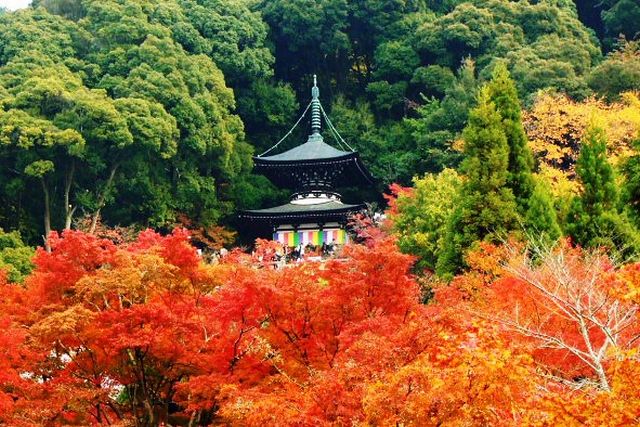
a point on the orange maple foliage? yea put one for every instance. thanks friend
(145, 333)
(213, 237)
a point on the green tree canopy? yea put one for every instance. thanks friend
(503, 93)
(619, 72)
(309, 37)
(422, 216)
(15, 256)
(620, 17)
(92, 107)
(594, 218)
(486, 208)
(631, 191)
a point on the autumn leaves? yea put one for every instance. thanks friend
(146, 333)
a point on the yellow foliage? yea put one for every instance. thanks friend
(63, 322)
(133, 280)
(562, 186)
(556, 125)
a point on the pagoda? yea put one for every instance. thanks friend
(315, 214)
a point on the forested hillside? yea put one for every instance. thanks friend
(146, 112)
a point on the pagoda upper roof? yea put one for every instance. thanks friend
(314, 149)
(314, 164)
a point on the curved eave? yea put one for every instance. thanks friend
(314, 148)
(271, 214)
(322, 161)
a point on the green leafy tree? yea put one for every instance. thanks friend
(371, 23)
(621, 17)
(15, 256)
(619, 72)
(544, 43)
(435, 80)
(234, 37)
(38, 31)
(388, 149)
(594, 219)
(631, 189)
(395, 60)
(108, 133)
(440, 122)
(92, 107)
(421, 216)
(486, 208)
(37, 150)
(534, 206)
(210, 150)
(268, 111)
(309, 37)
(388, 98)
(70, 9)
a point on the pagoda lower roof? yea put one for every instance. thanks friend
(292, 211)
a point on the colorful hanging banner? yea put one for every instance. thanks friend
(311, 237)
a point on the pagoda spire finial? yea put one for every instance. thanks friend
(315, 107)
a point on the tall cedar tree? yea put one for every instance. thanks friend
(594, 218)
(487, 207)
(540, 219)
(534, 206)
(504, 95)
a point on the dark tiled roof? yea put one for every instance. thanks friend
(314, 149)
(293, 210)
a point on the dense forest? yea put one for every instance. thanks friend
(143, 113)
(500, 287)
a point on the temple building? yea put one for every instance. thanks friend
(315, 214)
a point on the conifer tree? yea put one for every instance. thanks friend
(594, 218)
(486, 208)
(535, 205)
(540, 220)
(504, 95)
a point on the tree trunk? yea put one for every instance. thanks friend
(151, 420)
(101, 199)
(47, 215)
(195, 418)
(68, 209)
